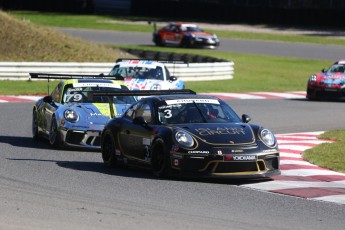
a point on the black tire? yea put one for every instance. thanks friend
(185, 42)
(108, 149)
(35, 134)
(54, 135)
(158, 40)
(160, 159)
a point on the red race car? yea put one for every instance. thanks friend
(184, 35)
(328, 84)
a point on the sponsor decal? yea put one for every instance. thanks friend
(220, 131)
(138, 84)
(269, 150)
(97, 84)
(240, 157)
(176, 162)
(198, 152)
(197, 157)
(103, 109)
(146, 141)
(186, 101)
(176, 156)
(219, 152)
(137, 63)
(95, 114)
(237, 151)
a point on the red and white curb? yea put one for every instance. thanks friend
(300, 178)
(6, 99)
(255, 95)
(261, 95)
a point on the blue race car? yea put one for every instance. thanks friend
(67, 117)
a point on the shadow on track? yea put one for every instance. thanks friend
(29, 142)
(141, 173)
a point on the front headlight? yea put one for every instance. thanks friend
(312, 78)
(71, 115)
(184, 139)
(156, 87)
(267, 137)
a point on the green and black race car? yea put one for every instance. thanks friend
(177, 132)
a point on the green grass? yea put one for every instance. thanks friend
(329, 155)
(253, 73)
(114, 23)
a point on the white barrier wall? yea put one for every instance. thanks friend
(187, 72)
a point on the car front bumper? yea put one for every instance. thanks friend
(264, 165)
(89, 139)
(325, 92)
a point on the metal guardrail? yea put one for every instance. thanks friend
(188, 72)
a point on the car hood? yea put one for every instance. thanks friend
(98, 111)
(149, 84)
(222, 134)
(333, 79)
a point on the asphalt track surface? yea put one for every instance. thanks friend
(42, 188)
(296, 50)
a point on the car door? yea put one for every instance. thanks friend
(135, 138)
(49, 107)
(173, 35)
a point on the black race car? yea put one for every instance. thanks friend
(179, 132)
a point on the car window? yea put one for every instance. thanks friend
(337, 69)
(57, 92)
(130, 113)
(145, 111)
(81, 95)
(191, 111)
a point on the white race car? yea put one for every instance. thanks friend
(146, 75)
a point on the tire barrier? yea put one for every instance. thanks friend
(191, 68)
(170, 56)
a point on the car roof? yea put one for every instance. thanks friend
(183, 24)
(340, 62)
(139, 63)
(183, 96)
(89, 80)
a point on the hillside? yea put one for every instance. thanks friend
(24, 41)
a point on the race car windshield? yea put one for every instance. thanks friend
(138, 72)
(336, 69)
(80, 94)
(196, 111)
(191, 29)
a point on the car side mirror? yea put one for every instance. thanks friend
(246, 118)
(323, 70)
(48, 99)
(172, 78)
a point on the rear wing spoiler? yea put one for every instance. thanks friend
(137, 93)
(72, 76)
(160, 61)
(52, 76)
